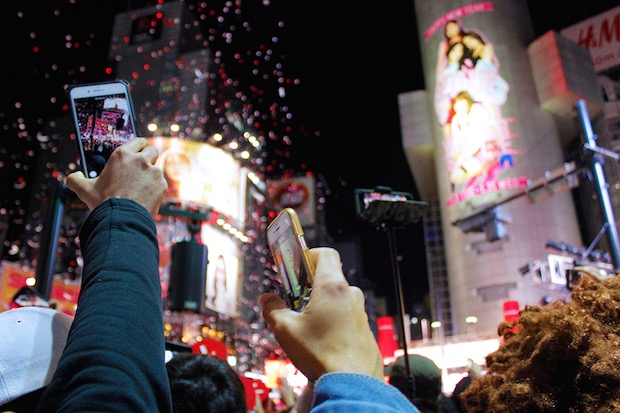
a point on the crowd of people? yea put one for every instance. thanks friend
(559, 358)
(114, 356)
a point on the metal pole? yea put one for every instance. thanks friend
(48, 251)
(601, 184)
(401, 304)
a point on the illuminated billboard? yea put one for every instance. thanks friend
(198, 173)
(601, 36)
(223, 270)
(297, 193)
(469, 95)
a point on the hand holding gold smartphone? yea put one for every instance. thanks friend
(290, 254)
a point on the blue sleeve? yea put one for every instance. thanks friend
(349, 392)
(114, 357)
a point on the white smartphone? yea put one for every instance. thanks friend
(104, 119)
(290, 254)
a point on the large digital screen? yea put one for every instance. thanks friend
(202, 174)
(223, 270)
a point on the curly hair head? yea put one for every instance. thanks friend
(560, 358)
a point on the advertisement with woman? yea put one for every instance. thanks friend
(469, 94)
(200, 174)
(223, 271)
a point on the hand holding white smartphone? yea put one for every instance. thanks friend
(290, 254)
(104, 119)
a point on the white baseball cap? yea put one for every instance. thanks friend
(31, 342)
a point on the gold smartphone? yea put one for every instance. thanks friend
(291, 257)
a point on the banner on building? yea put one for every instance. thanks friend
(601, 36)
(469, 94)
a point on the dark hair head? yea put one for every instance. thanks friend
(426, 381)
(445, 28)
(24, 404)
(474, 35)
(205, 384)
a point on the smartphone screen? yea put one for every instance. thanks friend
(290, 255)
(104, 119)
(365, 196)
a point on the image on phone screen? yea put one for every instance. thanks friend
(104, 123)
(288, 259)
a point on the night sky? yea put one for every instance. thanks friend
(346, 62)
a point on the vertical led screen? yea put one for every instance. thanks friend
(223, 270)
(469, 94)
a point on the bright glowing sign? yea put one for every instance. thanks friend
(223, 270)
(469, 94)
(297, 193)
(200, 173)
(457, 14)
(601, 36)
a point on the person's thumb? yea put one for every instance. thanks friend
(272, 304)
(79, 184)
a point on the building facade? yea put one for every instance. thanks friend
(491, 140)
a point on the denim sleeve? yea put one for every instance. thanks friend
(350, 392)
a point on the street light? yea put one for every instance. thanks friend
(471, 324)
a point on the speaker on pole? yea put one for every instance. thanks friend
(188, 272)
